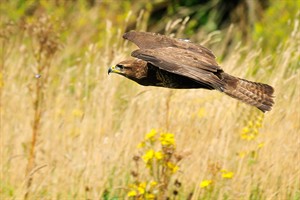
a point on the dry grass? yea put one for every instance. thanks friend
(91, 124)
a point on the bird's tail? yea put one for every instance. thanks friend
(256, 94)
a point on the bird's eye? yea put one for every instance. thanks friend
(119, 67)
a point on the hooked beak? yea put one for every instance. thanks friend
(113, 69)
(109, 71)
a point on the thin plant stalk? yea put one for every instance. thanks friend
(44, 33)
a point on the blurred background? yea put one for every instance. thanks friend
(70, 131)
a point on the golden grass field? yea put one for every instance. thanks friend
(91, 123)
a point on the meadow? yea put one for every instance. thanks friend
(70, 131)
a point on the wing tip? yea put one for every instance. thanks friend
(133, 33)
(129, 34)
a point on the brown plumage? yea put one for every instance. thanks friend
(173, 63)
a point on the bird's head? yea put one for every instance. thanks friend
(133, 69)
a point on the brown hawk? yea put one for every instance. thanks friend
(174, 63)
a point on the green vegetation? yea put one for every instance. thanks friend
(69, 131)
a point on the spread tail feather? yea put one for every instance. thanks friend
(256, 94)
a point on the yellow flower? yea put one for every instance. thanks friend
(258, 124)
(248, 136)
(153, 184)
(227, 174)
(250, 124)
(131, 193)
(174, 168)
(251, 136)
(141, 145)
(149, 196)
(142, 188)
(148, 155)
(245, 130)
(260, 118)
(137, 189)
(261, 145)
(150, 136)
(244, 136)
(205, 183)
(167, 139)
(242, 154)
(158, 155)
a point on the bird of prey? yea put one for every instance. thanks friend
(175, 63)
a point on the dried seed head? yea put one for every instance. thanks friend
(46, 33)
(136, 158)
(178, 157)
(177, 183)
(134, 173)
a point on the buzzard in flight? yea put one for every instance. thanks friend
(174, 63)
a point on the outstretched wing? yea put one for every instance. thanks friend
(183, 62)
(146, 40)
